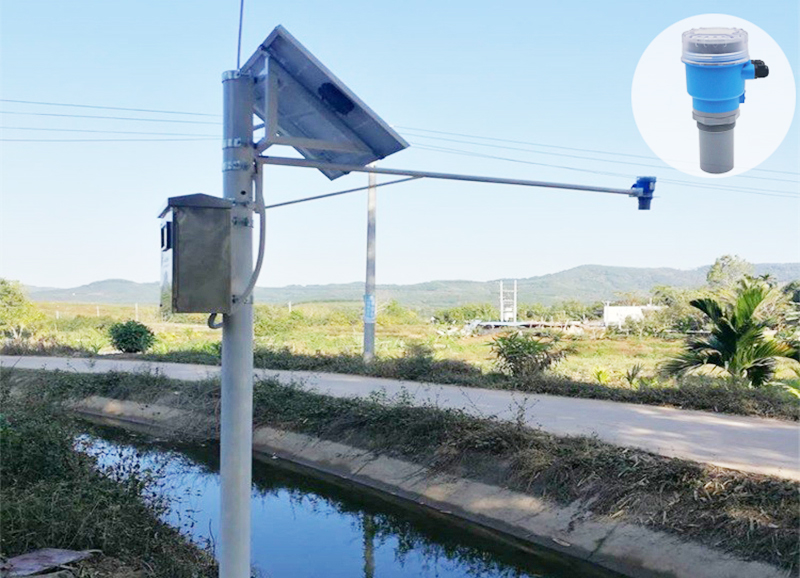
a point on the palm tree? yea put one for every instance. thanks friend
(738, 346)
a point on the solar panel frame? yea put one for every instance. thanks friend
(305, 115)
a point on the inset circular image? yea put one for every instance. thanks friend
(713, 95)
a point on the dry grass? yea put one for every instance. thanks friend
(328, 337)
(56, 496)
(751, 516)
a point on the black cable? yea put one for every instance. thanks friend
(108, 117)
(107, 107)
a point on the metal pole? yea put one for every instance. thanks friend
(288, 162)
(502, 304)
(515, 301)
(236, 423)
(370, 309)
(337, 193)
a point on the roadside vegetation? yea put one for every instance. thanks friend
(755, 517)
(54, 495)
(690, 353)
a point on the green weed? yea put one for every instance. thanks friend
(56, 496)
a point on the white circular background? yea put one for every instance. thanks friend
(663, 108)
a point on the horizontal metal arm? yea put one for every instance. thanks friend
(283, 161)
(337, 193)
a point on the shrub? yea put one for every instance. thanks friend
(739, 345)
(570, 310)
(271, 320)
(523, 354)
(395, 314)
(131, 337)
(19, 318)
(466, 313)
(601, 375)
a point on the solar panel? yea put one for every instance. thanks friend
(305, 106)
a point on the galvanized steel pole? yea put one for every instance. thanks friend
(370, 305)
(635, 191)
(236, 423)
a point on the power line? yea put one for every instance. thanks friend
(485, 156)
(762, 192)
(767, 192)
(108, 117)
(709, 185)
(103, 139)
(431, 131)
(628, 163)
(37, 102)
(522, 142)
(646, 157)
(106, 131)
(743, 190)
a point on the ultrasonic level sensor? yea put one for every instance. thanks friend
(717, 65)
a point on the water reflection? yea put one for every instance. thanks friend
(305, 527)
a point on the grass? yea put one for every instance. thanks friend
(56, 496)
(692, 392)
(752, 516)
(328, 337)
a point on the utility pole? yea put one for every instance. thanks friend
(502, 304)
(515, 301)
(370, 308)
(236, 423)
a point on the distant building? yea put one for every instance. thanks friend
(618, 314)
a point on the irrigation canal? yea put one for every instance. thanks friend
(305, 527)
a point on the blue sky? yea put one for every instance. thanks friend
(558, 74)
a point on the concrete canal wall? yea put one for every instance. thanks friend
(525, 521)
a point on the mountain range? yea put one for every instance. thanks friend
(586, 283)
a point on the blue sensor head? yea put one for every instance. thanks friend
(647, 185)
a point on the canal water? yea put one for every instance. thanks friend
(303, 527)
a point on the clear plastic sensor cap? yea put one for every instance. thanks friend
(715, 46)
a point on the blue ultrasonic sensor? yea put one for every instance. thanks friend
(647, 185)
(717, 65)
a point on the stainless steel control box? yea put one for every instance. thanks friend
(196, 255)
